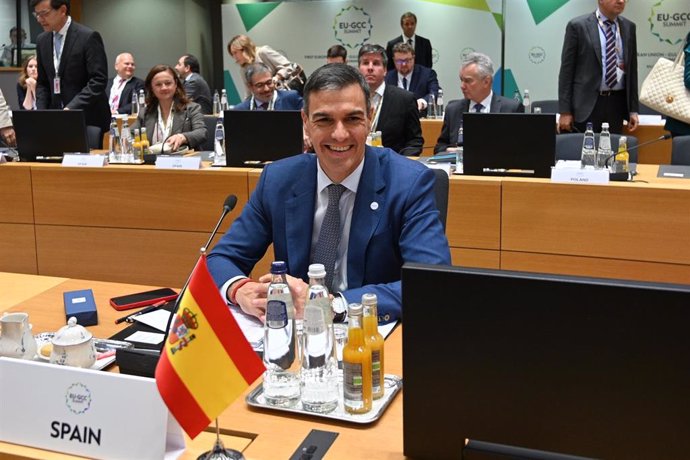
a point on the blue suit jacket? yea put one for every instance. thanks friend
(286, 100)
(404, 227)
(424, 81)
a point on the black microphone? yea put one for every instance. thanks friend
(228, 205)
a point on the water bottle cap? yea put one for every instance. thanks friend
(604, 125)
(316, 271)
(278, 267)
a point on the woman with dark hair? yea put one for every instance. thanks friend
(26, 85)
(170, 117)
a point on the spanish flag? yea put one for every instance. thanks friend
(206, 362)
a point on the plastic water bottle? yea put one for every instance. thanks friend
(527, 102)
(135, 104)
(219, 144)
(216, 103)
(431, 106)
(439, 104)
(319, 377)
(114, 148)
(604, 151)
(142, 99)
(126, 142)
(223, 100)
(589, 151)
(282, 376)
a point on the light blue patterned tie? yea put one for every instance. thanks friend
(57, 39)
(326, 249)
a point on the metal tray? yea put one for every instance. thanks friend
(392, 386)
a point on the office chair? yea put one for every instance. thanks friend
(94, 137)
(644, 110)
(547, 106)
(441, 184)
(680, 151)
(210, 121)
(569, 146)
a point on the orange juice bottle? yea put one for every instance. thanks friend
(374, 341)
(357, 396)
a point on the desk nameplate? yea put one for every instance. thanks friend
(83, 412)
(84, 160)
(177, 162)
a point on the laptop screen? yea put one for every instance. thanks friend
(596, 368)
(45, 135)
(254, 138)
(509, 144)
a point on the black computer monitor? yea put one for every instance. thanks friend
(586, 367)
(255, 138)
(509, 144)
(45, 135)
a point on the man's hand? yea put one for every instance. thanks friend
(298, 288)
(633, 122)
(8, 135)
(565, 122)
(251, 297)
(421, 104)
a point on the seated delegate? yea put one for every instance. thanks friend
(384, 201)
(26, 85)
(169, 116)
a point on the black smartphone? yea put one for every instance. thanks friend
(142, 299)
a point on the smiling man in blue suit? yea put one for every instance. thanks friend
(385, 207)
(264, 94)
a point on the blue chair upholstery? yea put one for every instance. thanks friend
(680, 151)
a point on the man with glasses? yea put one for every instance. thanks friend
(412, 77)
(264, 94)
(195, 86)
(72, 65)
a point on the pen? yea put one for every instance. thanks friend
(130, 318)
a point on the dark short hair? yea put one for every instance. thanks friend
(403, 47)
(192, 62)
(337, 51)
(373, 49)
(179, 98)
(408, 14)
(255, 68)
(54, 4)
(334, 77)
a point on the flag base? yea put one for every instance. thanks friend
(219, 452)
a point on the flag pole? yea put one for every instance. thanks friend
(219, 452)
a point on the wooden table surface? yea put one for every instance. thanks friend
(269, 434)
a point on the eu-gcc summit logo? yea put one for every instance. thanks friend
(352, 27)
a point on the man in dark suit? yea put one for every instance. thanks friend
(409, 76)
(124, 85)
(78, 54)
(476, 80)
(395, 110)
(385, 203)
(421, 45)
(195, 86)
(598, 77)
(264, 94)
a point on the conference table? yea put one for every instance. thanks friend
(259, 433)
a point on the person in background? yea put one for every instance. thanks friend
(598, 77)
(6, 127)
(677, 127)
(476, 80)
(421, 45)
(286, 74)
(26, 84)
(10, 57)
(264, 94)
(170, 117)
(412, 77)
(72, 65)
(336, 54)
(121, 87)
(395, 110)
(384, 203)
(195, 86)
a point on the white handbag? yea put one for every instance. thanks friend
(664, 90)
